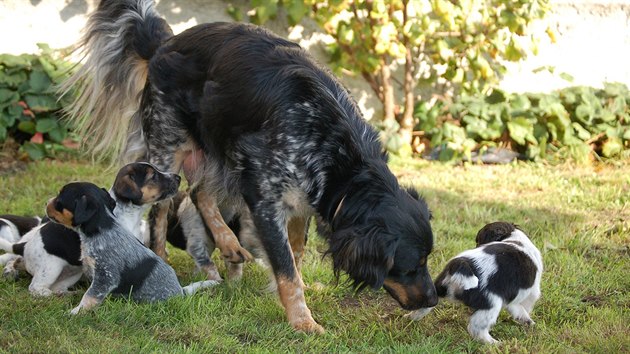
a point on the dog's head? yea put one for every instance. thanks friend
(81, 205)
(494, 232)
(142, 183)
(389, 248)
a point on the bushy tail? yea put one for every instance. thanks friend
(192, 288)
(119, 39)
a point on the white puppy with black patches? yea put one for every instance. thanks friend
(51, 253)
(504, 271)
(12, 229)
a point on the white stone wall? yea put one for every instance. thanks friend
(593, 43)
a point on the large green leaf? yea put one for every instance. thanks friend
(521, 130)
(39, 82)
(34, 151)
(46, 125)
(27, 126)
(41, 103)
(13, 79)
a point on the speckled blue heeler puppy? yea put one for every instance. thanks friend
(121, 264)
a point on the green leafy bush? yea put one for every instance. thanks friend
(30, 108)
(583, 122)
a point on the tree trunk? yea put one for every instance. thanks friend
(406, 121)
(388, 92)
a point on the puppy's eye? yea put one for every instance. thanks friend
(58, 206)
(423, 261)
(132, 177)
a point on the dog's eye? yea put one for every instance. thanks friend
(58, 206)
(423, 261)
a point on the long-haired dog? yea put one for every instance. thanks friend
(279, 139)
(504, 271)
(120, 265)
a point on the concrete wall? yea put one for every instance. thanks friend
(593, 43)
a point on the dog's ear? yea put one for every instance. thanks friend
(126, 189)
(426, 212)
(84, 210)
(493, 232)
(366, 254)
(111, 203)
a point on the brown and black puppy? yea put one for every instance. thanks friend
(119, 264)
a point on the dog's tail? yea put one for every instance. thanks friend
(192, 288)
(120, 37)
(10, 247)
(457, 276)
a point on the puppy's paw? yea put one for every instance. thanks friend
(308, 326)
(76, 310)
(10, 274)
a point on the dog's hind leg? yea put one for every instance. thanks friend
(297, 229)
(519, 313)
(44, 279)
(480, 323)
(68, 278)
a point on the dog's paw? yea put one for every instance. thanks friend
(76, 310)
(418, 314)
(234, 253)
(11, 274)
(308, 327)
(40, 292)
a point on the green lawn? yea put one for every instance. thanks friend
(579, 217)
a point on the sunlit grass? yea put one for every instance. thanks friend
(578, 216)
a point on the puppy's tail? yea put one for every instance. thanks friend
(459, 275)
(192, 288)
(120, 37)
(10, 247)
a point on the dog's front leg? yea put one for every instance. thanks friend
(273, 232)
(224, 238)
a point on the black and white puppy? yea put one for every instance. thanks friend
(120, 264)
(51, 253)
(12, 228)
(503, 271)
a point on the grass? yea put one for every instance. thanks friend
(578, 216)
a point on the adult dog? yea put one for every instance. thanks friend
(281, 140)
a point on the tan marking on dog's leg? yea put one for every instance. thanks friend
(292, 297)
(158, 244)
(296, 228)
(224, 238)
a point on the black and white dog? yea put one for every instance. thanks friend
(51, 253)
(280, 139)
(503, 271)
(12, 229)
(119, 264)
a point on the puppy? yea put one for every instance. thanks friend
(503, 271)
(52, 253)
(120, 264)
(12, 228)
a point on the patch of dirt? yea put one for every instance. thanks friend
(11, 160)
(594, 300)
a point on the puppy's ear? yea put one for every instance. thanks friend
(366, 254)
(111, 203)
(126, 189)
(84, 210)
(493, 232)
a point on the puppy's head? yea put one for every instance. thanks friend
(79, 204)
(494, 232)
(389, 248)
(142, 183)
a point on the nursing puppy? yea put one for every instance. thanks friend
(120, 264)
(503, 271)
(51, 253)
